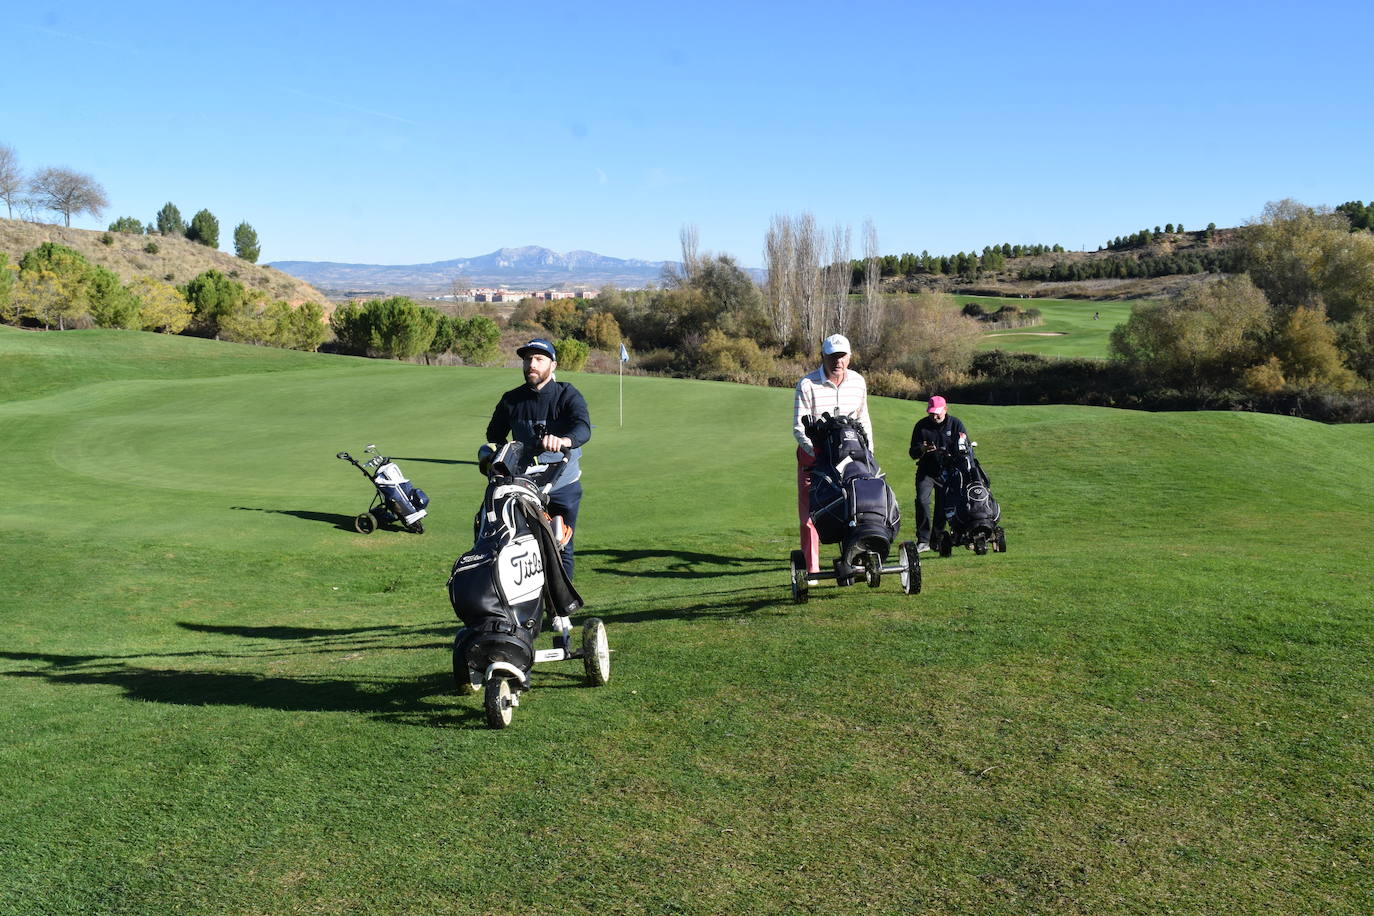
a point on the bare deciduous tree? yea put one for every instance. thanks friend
(837, 277)
(810, 242)
(779, 253)
(11, 178)
(68, 192)
(867, 330)
(691, 255)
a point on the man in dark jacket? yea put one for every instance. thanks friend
(936, 434)
(562, 411)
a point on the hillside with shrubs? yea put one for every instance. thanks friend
(1275, 316)
(169, 259)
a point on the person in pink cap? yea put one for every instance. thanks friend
(937, 433)
(835, 389)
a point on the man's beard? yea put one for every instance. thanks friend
(535, 379)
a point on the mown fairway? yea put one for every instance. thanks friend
(1068, 329)
(216, 698)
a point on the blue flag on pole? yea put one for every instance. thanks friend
(624, 354)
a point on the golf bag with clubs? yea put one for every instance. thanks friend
(501, 588)
(851, 502)
(971, 512)
(396, 499)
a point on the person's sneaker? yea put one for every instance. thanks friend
(922, 547)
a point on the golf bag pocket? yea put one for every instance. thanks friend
(418, 498)
(976, 507)
(495, 581)
(874, 515)
(829, 508)
(496, 640)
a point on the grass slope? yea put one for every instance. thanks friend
(1068, 328)
(215, 697)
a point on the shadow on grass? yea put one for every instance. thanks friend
(678, 564)
(424, 701)
(342, 522)
(429, 700)
(311, 633)
(724, 603)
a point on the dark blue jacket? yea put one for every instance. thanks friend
(559, 406)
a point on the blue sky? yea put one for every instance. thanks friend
(418, 132)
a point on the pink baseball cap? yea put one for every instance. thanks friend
(936, 403)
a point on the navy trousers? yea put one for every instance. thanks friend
(565, 501)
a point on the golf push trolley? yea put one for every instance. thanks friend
(396, 498)
(852, 505)
(504, 585)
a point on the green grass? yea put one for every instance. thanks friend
(1068, 329)
(216, 698)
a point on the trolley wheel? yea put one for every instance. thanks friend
(596, 652)
(946, 539)
(1000, 540)
(980, 544)
(911, 568)
(499, 702)
(365, 523)
(462, 677)
(873, 570)
(418, 527)
(799, 577)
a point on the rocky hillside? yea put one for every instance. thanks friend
(175, 260)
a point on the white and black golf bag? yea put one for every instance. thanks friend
(501, 586)
(851, 503)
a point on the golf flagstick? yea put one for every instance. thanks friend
(624, 358)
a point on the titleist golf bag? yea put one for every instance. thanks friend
(512, 573)
(851, 503)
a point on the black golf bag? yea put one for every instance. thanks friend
(851, 503)
(500, 588)
(971, 512)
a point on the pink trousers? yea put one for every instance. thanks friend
(810, 541)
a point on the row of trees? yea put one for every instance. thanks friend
(56, 287)
(962, 264)
(1145, 236)
(62, 190)
(1225, 260)
(203, 229)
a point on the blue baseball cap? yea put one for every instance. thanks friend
(538, 345)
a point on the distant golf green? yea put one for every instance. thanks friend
(215, 697)
(1069, 327)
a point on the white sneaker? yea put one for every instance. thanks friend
(922, 547)
(813, 581)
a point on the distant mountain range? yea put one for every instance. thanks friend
(530, 268)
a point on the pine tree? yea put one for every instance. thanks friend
(169, 221)
(204, 229)
(246, 243)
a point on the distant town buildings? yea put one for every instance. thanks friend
(502, 294)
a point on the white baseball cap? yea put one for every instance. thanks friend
(835, 343)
